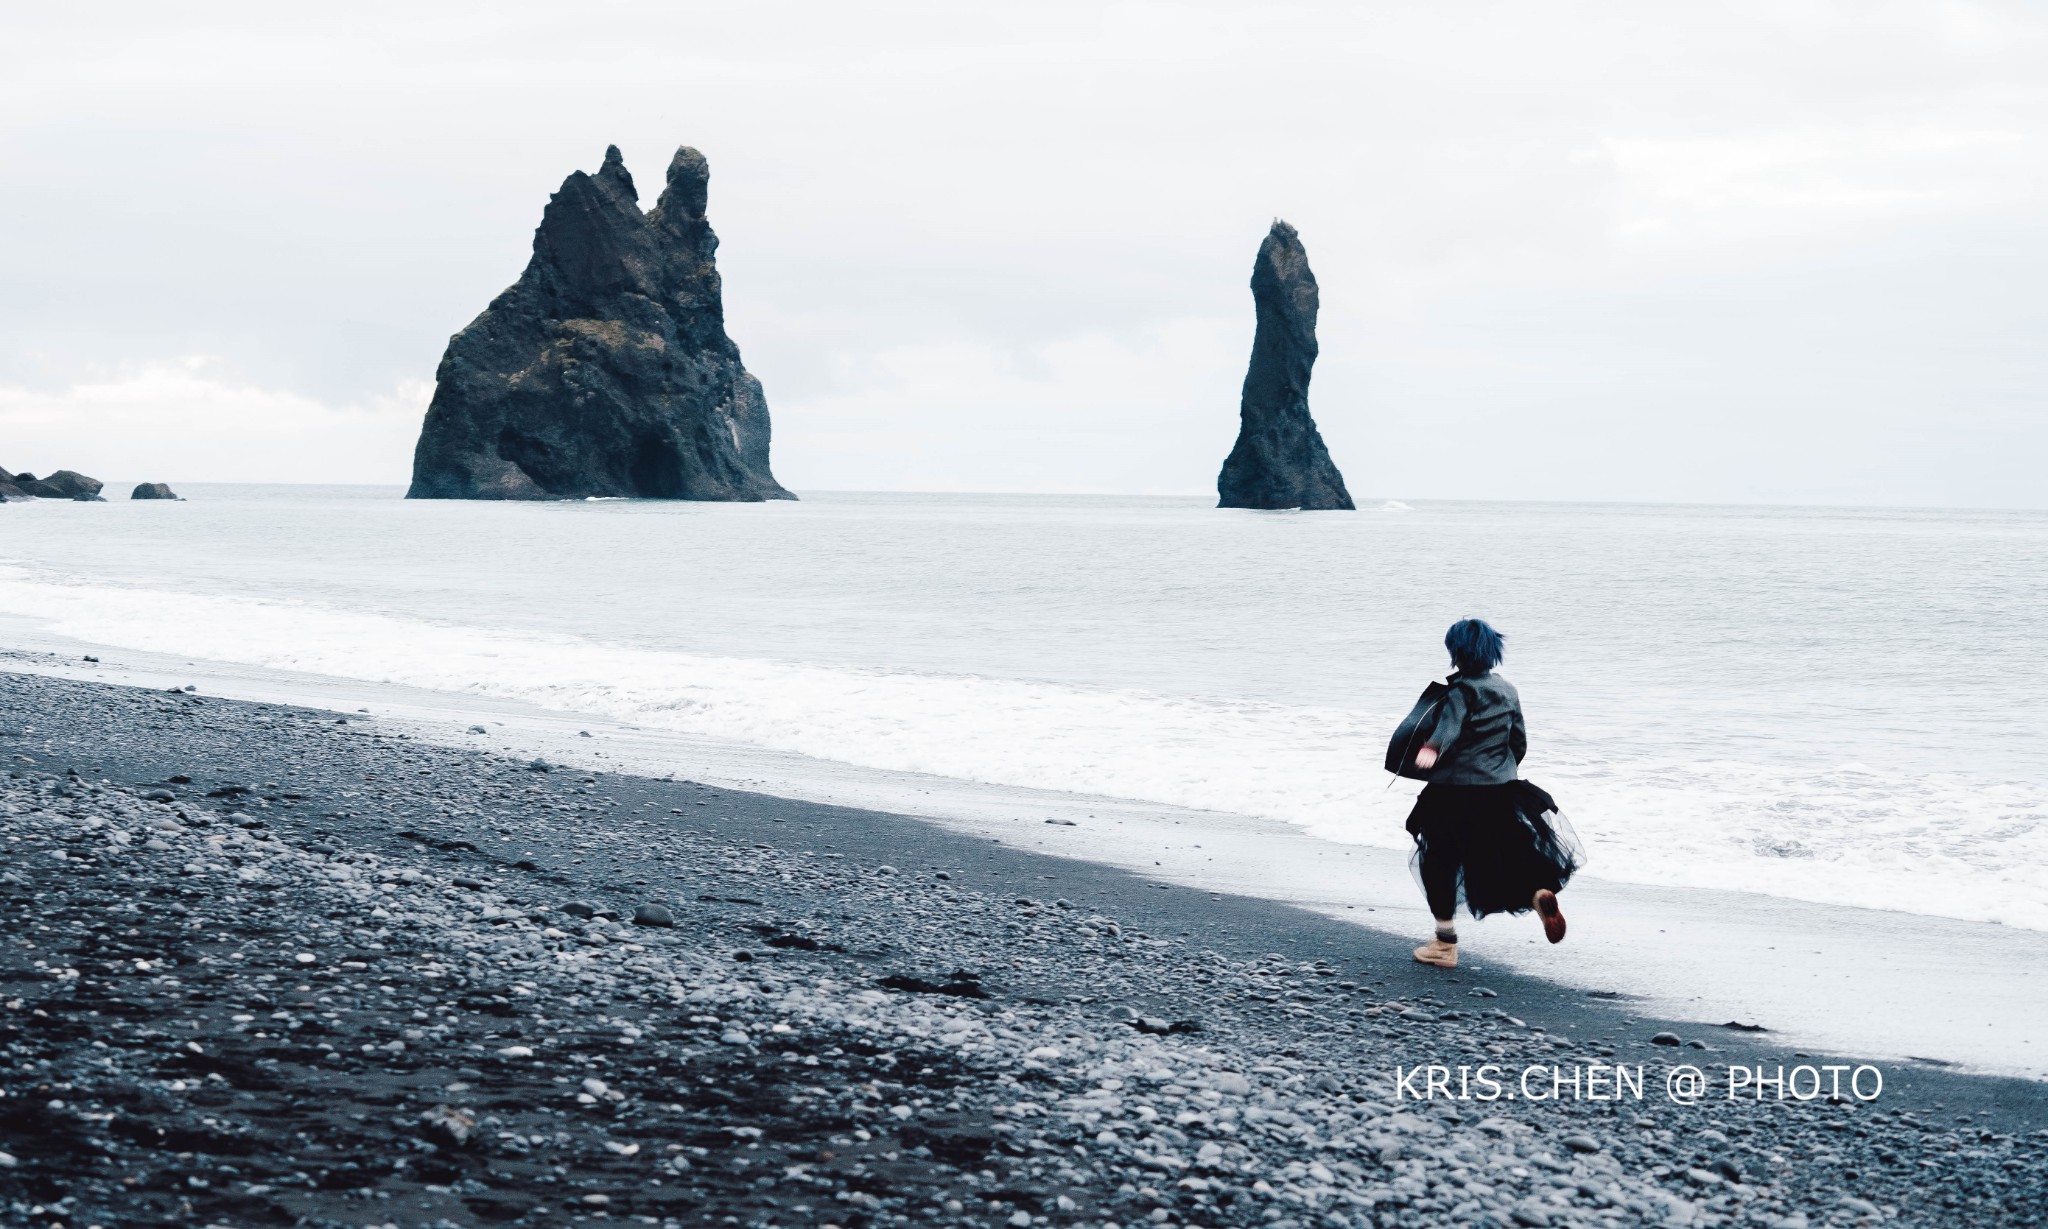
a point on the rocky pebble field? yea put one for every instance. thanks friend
(271, 966)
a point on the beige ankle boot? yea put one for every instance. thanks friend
(1439, 953)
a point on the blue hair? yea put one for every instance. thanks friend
(1475, 646)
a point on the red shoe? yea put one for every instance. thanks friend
(1553, 917)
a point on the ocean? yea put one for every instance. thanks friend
(1840, 706)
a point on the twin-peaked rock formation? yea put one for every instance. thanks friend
(605, 369)
(1279, 460)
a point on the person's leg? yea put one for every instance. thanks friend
(1440, 889)
(1440, 872)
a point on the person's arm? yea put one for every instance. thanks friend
(1518, 735)
(1450, 722)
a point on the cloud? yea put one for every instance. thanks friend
(188, 421)
(1810, 182)
(958, 241)
(1153, 412)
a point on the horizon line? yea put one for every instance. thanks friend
(1365, 503)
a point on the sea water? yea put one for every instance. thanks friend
(1834, 705)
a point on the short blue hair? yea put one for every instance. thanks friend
(1475, 646)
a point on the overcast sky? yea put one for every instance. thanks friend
(1783, 251)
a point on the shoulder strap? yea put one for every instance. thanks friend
(1408, 749)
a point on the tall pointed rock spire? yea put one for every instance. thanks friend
(1279, 460)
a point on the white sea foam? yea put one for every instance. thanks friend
(1842, 834)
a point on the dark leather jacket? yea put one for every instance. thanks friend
(1479, 738)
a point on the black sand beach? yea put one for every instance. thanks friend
(271, 966)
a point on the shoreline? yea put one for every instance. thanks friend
(1928, 989)
(1146, 705)
(1287, 1086)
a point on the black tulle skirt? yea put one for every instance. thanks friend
(1490, 846)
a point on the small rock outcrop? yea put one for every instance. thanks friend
(605, 369)
(64, 484)
(154, 490)
(1280, 460)
(10, 489)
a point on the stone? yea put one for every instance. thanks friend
(959, 985)
(1581, 1143)
(580, 908)
(447, 1126)
(1280, 460)
(64, 484)
(605, 370)
(154, 490)
(10, 487)
(1666, 1039)
(653, 915)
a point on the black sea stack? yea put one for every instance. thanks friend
(605, 369)
(1280, 460)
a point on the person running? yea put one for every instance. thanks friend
(1482, 834)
